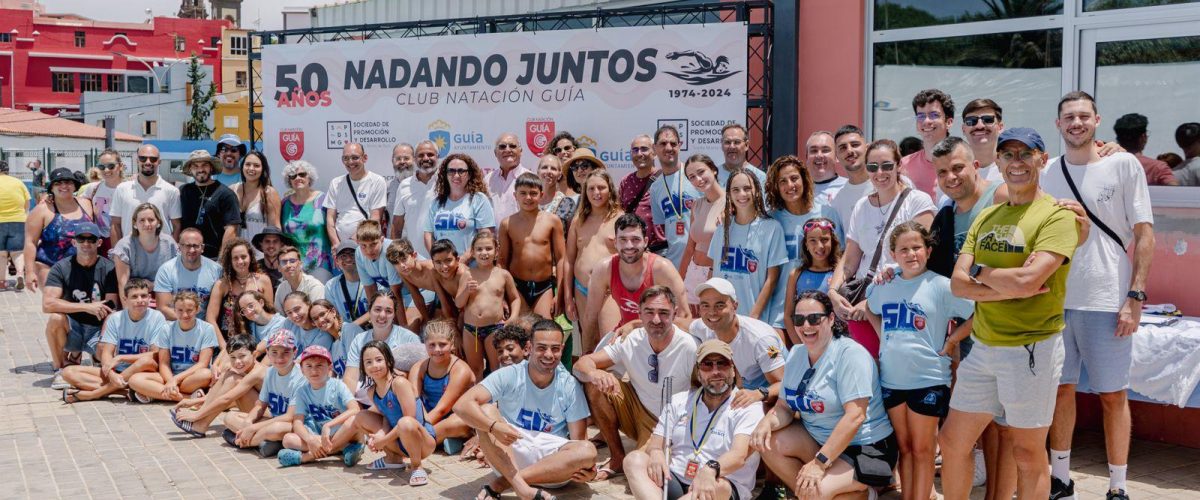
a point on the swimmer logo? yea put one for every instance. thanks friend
(696, 68)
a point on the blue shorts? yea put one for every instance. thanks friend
(81, 337)
(1090, 342)
(12, 236)
(315, 428)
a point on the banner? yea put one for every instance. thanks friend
(605, 86)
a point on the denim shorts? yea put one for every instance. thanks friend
(12, 236)
(81, 337)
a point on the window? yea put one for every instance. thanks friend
(214, 42)
(5, 37)
(231, 121)
(62, 82)
(239, 80)
(89, 82)
(1095, 5)
(150, 128)
(894, 14)
(180, 43)
(80, 38)
(139, 84)
(116, 83)
(238, 46)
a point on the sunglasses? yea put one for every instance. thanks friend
(352, 158)
(886, 166)
(507, 145)
(812, 319)
(817, 224)
(87, 239)
(970, 121)
(558, 150)
(653, 375)
(457, 171)
(108, 166)
(582, 165)
(145, 159)
(298, 175)
(720, 364)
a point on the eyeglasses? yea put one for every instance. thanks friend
(87, 239)
(507, 145)
(970, 121)
(886, 166)
(284, 262)
(733, 142)
(351, 158)
(668, 143)
(720, 365)
(108, 166)
(932, 115)
(457, 171)
(818, 224)
(147, 159)
(192, 246)
(298, 175)
(653, 375)
(1024, 155)
(568, 148)
(812, 319)
(639, 149)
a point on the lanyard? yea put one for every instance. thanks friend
(708, 427)
(678, 207)
(351, 304)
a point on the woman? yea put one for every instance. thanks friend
(818, 263)
(382, 313)
(239, 274)
(553, 200)
(395, 423)
(845, 444)
(140, 253)
(14, 209)
(707, 214)
(462, 206)
(260, 203)
(303, 218)
(50, 227)
(563, 145)
(748, 248)
(440, 380)
(865, 233)
(295, 309)
(325, 315)
(260, 318)
(591, 239)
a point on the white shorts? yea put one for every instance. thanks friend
(695, 276)
(1018, 385)
(533, 447)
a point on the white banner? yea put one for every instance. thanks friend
(604, 86)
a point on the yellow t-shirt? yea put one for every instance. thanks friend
(14, 199)
(1003, 236)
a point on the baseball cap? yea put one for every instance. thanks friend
(316, 351)
(1025, 135)
(82, 228)
(346, 244)
(232, 140)
(721, 285)
(282, 338)
(713, 346)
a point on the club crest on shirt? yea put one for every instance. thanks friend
(739, 260)
(772, 352)
(808, 402)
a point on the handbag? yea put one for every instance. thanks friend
(855, 290)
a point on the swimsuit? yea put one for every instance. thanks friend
(531, 290)
(432, 389)
(390, 407)
(55, 243)
(580, 288)
(482, 332)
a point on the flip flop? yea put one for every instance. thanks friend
(489, 492)
(70, 396)
(186, 426)
(381, 463)
(418, 478)
(542, 495)
(606, 473)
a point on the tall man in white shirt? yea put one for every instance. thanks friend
(500, 181)
(403, 155)
(413, 198)
(851, 147)
(357, 196)
(147, 187)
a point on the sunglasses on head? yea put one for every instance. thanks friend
(970, 121)
(812, 319)
(886, 166)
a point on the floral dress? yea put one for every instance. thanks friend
(306, 225)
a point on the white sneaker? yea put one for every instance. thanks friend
(980, 477)
(58, 383)
(86, 359)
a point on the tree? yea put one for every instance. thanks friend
(197, 127)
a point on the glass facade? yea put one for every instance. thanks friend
(895, 14)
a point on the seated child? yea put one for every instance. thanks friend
(123, 351)
(395, 424)
(318, 411)
(185, 351)
(238, 386)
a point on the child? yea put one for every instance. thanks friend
(261, 319)
(512, 344)
(420, 281)
(911, 314)
(448, 270)
(820, 253)
(376, 273)
(395, 424)
(748, 248)
(265, 425)
(317, 413)
(238, 386)
(295, 306)
(439, 381)
(532, 245)
(185, 350)
(327, 318)
(345, 291)
(124, 348)
(483, 292)
(382, 313)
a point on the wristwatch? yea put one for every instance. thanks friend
(765, 392)
(1138, 295)
(714, 465)
(823, 460)
(975, 270)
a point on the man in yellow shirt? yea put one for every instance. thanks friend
(14, 205)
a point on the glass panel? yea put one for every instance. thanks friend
(1155, 78)
(1021, 71)
(1095, 5)
(893, 14)
(139, 84)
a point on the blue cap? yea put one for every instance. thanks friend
(1026, 135)
(86, 228)
(232, 140)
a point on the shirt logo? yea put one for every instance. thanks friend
(277, 403)
(535, 420)
(322, 413)
(1003, 239)
(447, 221)
(184, 354)
(808, 402)
(670, 203)
(131, 346)
(904, 315)
(739, 260)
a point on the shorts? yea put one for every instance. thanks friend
(315, 428)
(633, 418)
(873, 463)
(676, 488)
(81, 337)
(1089, 341)
(535, 446)
(12, 236)
(929, 401)
(1017, 385)
(429, 295)
(695, 276)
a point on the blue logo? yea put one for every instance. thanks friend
(439, 133)
(449, 221)
(809, 402)
(322, 413)
(534, 420)
(904, 315)
(671, 203)
(930, 399)
(739, 260)
(183, 355)
(339, 368)
(277, 404)
(131, 346)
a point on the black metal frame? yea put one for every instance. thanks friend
(769, 117)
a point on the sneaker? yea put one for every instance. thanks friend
(230, 437)
(1060, 490)
(352, 453)
(1116, 494)
(58, 383)
(288, 458)
(269, 449)
(138, 397)
(452, 446)
(980, 477)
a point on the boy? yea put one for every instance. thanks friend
(420, 282)
(239, 385)
(532, 243)
(279, 384)
(346, 292)
(377, 275)
(448, 270)
(123, 351)
(317, 413)
(512, 344)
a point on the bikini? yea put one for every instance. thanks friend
(390, 407)
(55, 243)
(580, 288)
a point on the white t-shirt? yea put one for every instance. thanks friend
(130, 194)
(308, 284)
(757, 349)
(687, 411)
(413, 199)
(866, 225)
(824, 192)
(372, 194)
(991, 173)
(632, 354)
(102, 198)
(501, 189)
(847, 197)
(1115, 190)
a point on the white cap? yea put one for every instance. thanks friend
(721, 285)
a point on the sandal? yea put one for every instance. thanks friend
(606, 473)
(186, 426)
(487, 493)
(542, 495)
(70, 396)
(418, 478)
(381, 463)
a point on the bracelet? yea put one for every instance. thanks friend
(490, 426)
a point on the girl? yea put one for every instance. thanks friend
(395, 424)
(260, 203)
(820, 256)
(261, 319)
(326, 316)
(239, 273)
(439, 381)
(707, 215)
(319, 412)
(184, 349)
(484, 292)
(295, 307)
(563, 146)
(144, 249)
(383, 313)
(462, 207)
(911, 314)
(749, 247)
(591, 239)
(238, 386)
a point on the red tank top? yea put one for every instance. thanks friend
(626, 299)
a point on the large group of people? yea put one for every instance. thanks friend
(708, 319)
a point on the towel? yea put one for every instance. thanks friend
(1166, 361)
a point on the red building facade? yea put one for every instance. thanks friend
(47, 62)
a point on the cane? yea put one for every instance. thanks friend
(667, 423)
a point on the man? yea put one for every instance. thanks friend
(960, 178)
(625, 276)
(634, 190)
(735, 144)
(822, 167)
(722, 465)
(295, 279)
(191, 271)
(269, 242)
(148, 187)
(1132, 136)
(758, 351)
(345, 291)
(1187, 136)
(112, 173)
(1105, 293)
(357, 196)
(535, 433)
(983, 120)
(851, 147)
(671, 195)
(414, 195)
(80, 292)
(402, 168)
(649, 356)
(230, 150)
(1014, 265)
(124, 348)
(500, 182)
(208, 205)
(934, 112)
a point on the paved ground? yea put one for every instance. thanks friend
(134, 450)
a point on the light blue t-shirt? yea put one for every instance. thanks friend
(753, 249)
(278, 390)
(349, 308)
(305, 338)
(962, 222)
(173, 278)
(321, 405)
(723, 177)
(378, 272)
(263, 332)
(185, 346)
(793, 240)
(843, 373)
(397, 337)
(915, 314)
(823, 192)
(132, 337)
(671, 200)
(341, 347)
(227, 179)
(458, 221)
(529, 407)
